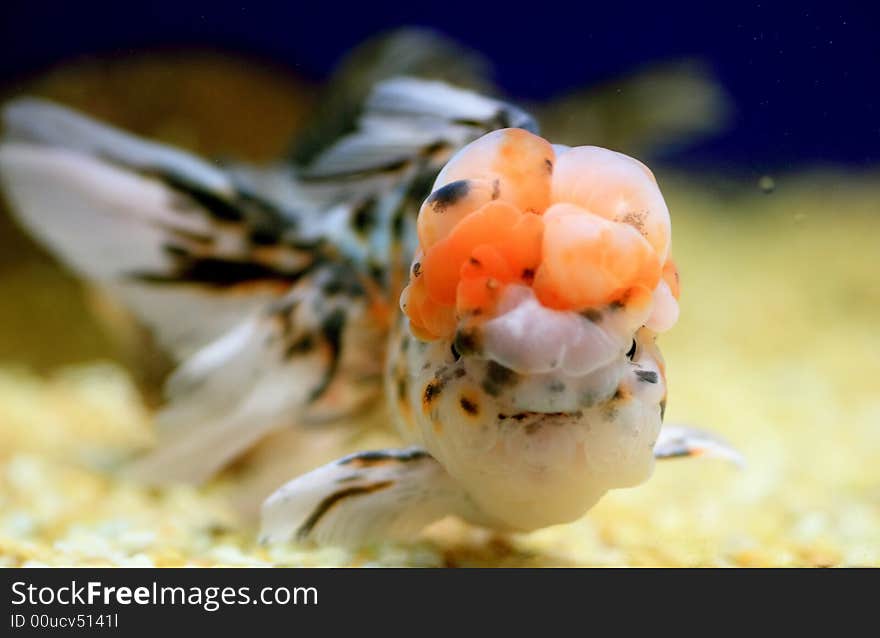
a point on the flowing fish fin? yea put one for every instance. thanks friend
(677, 441)
(268, 287)
(306, 358)
(364, 497)
(222, 400)
(160, 229)
(406, 51)
(410, 121)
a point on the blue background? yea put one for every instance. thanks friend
(804, 79)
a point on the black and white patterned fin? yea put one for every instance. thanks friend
(161, 229)
(364, 497)
(257, 281)
(677, 441)
(410, 121)
(407, 51)
(311, 356)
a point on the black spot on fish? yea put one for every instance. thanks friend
(662, 409)
(417, 269)
(648, 376)
(364, 217)
(467, 342)
(449, 195)
(469, 406)
(300, 346)
(497, 377)
(175, 251)
(556, 386)
(592, 315)
(432, 391)
(548, 164)
(528, 275)
(496, 189)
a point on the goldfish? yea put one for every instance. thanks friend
(497, 295)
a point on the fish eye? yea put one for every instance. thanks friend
(631, 353)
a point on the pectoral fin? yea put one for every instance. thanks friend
(677, 441)
(382, 494)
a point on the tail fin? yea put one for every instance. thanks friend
(407, 118)
(407, 51)
(159, 228)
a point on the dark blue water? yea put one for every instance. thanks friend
(804, 79)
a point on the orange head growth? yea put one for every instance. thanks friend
(584, 227)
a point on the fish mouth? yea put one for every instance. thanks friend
(573, 344)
